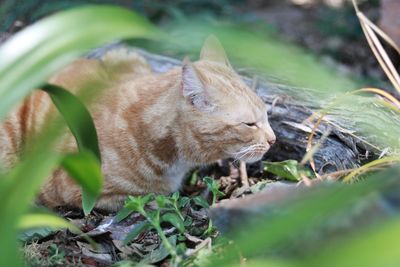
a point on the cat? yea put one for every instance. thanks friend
(152, 128)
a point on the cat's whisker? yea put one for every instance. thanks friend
(249, 151)
(251, 148)
(244, 154)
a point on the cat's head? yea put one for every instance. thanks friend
(223, 116)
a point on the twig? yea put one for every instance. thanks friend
(206, 242)
(243, 174)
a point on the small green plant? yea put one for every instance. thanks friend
(158, 210)
(213, 186)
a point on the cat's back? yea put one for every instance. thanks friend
(94, 81)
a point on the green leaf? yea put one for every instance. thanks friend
(175, 220)
(200, 201)
(49, 220)
(137, 229)
(181, 248)
(160, 253)
(154, 217)
(17, 189)
(29, 221)
(259, 186)
(288, 169)
(162, 201)
(138, 203)
(188, 221)
(77, 117)
(183, 201)
(30, 235)
(84, 168)
(213, 186)
(123, 213)
(309, 212)
(378, 246)
(32, 55)
(175, 196)
(27, 60)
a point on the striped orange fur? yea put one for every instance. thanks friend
(153, 128)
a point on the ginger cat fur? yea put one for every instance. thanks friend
(152, 128)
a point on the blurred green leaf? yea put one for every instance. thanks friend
(35, 234)
(378, 246)
(306, 212)
(32, 55)
(27, 60)
(29, 221)
(17, 189)
(175, 220)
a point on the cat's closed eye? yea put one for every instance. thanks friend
(251, 124)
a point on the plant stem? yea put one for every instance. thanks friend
(214, 198)
(179, 213)
(164, 239)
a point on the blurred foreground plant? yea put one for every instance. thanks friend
(27, 60)
(35, 53)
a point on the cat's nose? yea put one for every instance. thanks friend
(270, 135)
(271, 140)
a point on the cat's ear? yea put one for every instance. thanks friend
(212, 50)
(193, 88)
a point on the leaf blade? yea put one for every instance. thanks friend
(39, 50)
(85, 169)
(77, 117)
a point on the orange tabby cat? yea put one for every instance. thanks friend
(153, 128)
